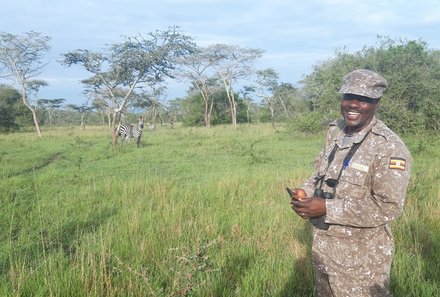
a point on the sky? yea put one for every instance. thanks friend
(294, 35)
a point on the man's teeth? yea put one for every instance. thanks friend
(353, 113)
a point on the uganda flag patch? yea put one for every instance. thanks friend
(397, 163)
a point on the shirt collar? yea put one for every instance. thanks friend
(355, 137)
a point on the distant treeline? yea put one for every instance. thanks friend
(411, 104)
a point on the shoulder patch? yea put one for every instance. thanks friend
(397, 163)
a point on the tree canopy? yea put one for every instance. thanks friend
(130, 73)
(21, 60)
(135, 63)
(412, 102)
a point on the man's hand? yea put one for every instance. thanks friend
(309, 207)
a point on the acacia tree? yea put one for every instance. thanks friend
(105, 102)
(247, 100)
(102, 107)
(50, 105)
(175, 110)
(267, 82)
(231, 64)
(21, 59)
(134, 63)
(149, 101)
(198, 71)
(82, 110)
(156, 108)
(288, 101)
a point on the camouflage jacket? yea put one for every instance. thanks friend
(370, 194)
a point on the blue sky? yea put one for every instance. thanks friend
(295, 35)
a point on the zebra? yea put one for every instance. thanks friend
(127, 131)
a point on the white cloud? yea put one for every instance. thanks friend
(294, 34)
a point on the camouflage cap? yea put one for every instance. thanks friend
(365, 83)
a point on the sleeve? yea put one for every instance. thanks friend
(309, 184)
(380, 202)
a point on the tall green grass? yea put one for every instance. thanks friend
(192, 212)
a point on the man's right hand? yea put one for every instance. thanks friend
(309, 207)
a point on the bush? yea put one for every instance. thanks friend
(308, 122)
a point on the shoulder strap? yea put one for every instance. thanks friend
(332, 154)
(347, 158)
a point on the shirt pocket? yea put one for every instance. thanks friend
(352, 184)
(355, 174)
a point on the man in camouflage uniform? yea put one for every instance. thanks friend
(352, 242)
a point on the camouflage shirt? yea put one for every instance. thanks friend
(370, 194)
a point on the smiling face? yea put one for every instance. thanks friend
(358, 111)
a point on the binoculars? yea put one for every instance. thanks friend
(319, 221)
(321, 194)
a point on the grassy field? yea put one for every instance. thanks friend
(192, 212)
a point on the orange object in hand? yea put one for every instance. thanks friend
(297, 193)
(300, 193)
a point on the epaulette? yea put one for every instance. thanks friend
(335, 127)
(382, 130)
